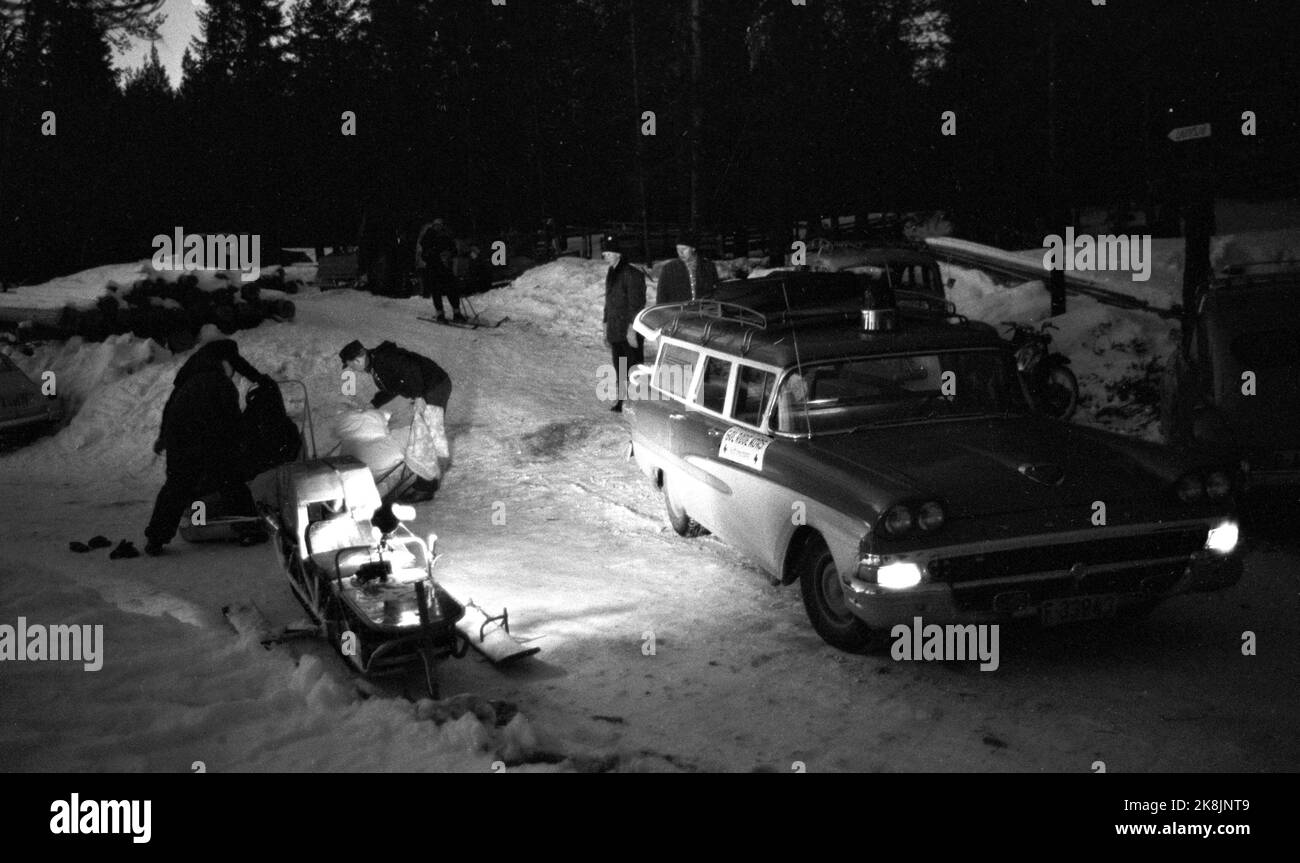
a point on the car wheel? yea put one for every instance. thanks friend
(682, 523)
(823, 599)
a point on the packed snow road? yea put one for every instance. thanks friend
(657, 652)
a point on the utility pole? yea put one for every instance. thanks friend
(640, 138)
(697, 75)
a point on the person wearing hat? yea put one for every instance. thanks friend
(689, 276)
(624, 298)
(200, 434)
(438, 252)
(399, 372)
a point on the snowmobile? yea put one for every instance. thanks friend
(363, 577)
(365, 580)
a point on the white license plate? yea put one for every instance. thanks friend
(1057, 611)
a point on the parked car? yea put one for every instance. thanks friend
(885, 458)
(904, 266)
(23, 408)
(1232, 385)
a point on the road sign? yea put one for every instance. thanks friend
(1190, 133)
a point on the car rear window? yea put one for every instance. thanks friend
(1270, 349)
(675, 370)
(753, 386)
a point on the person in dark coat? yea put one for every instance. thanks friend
(478, 272)
(438, 249)
(624, 298)
(399, 372)
(200, 434)
(689, 276)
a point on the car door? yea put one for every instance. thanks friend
(755, 510)
(657, 418)
(698, 430)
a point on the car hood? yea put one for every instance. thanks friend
(995, 465)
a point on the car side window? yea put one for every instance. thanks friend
(675, 370)
(753, 386)
(713, 388)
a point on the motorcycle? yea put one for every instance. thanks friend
(1048, 382)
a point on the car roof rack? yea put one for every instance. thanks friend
(717, 310)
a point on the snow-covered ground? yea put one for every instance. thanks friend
(736, 680)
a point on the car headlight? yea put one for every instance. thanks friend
(898, 520)
(930, 516)
(1190, 488)
(1222, 539)
(897, 576)
(1218, 485)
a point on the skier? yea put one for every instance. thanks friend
(200, 434)
(399, 372)
(689, 276)
(438, 248)
(624, 298)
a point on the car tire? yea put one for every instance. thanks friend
(681, 523)
(823, 600)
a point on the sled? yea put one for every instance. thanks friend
(364, 579)
(490, 635)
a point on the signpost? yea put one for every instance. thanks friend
(1198, 211)
(1190, 133)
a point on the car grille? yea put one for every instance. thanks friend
(1148, 579)
(1058, 558)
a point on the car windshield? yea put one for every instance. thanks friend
(836, 397)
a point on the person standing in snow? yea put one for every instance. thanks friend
(478, 272)
(689, 276)
(438, 248)
(200, 434)
(399, 372)
(624, 298)
(420, 265)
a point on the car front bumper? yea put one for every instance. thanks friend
(1023, 596)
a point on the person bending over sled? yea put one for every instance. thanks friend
(201, 435)
(399, 372)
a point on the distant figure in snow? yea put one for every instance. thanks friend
(399, 372)
(624, 298)
(477, 275)
(689, 276)
(438, 249)
(200, 434)
(420, 265)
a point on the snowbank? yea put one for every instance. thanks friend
(1117, 354)
(42, 303)
(82, 368)
(565, 297)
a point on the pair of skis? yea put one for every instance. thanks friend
(474, 322)
(469, 324)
